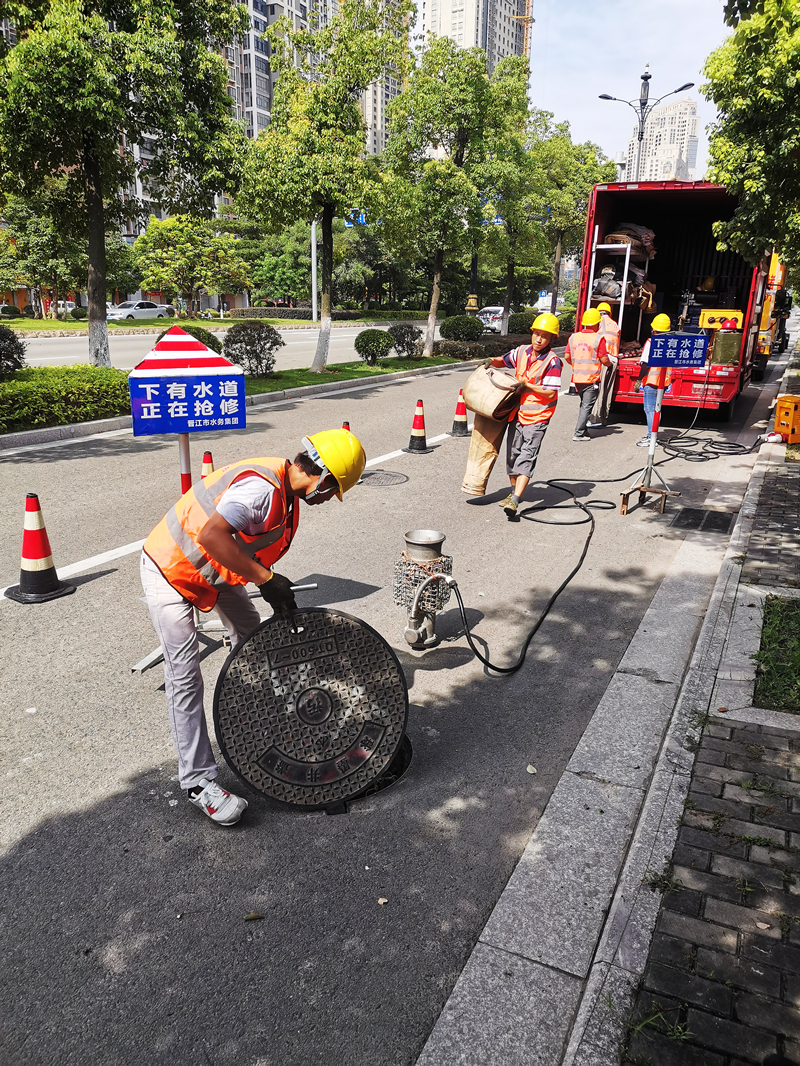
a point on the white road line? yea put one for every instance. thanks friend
(135, 546)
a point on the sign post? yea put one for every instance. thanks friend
(183, 387)
(676, 350)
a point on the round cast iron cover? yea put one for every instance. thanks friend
(381, 478)
(311, 715)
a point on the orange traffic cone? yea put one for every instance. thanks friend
(418, 443)
(38, 580)
(208, 465)
(460, 421)
(346, 425)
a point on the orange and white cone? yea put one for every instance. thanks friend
(38, 580)
(418, 443)
(346, 425)
(208, 465)
(460, 421)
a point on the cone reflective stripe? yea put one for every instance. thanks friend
(418, 443)
(208, 465)
(346, 425)
(460, 421)
(38, 580)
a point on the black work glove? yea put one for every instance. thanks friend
(278, 594)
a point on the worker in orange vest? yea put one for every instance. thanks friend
(608, 375)
(648, 376)
(228, 529)
(540, 370)
(587, 352)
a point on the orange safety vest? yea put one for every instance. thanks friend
(586, 365)
(174, 548)
(610, 330)
(536, 404)
(652, 376)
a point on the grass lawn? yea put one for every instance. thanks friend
(778, 658)
(292, 379)
(25, 324)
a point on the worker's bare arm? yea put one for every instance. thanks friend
(216, 538)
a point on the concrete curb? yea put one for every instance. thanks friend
(107, 425)
(554, 972)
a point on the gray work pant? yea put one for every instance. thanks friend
(173, 621)
(588, 394)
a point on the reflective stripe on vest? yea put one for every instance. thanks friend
(652, 376)
(537, 404)
(586, 365)
(174, 546)
(610, 330)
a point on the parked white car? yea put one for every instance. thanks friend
(492, 318)
(67, 306)
(137, 309)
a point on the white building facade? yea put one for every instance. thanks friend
(497, 26)
(669, 148)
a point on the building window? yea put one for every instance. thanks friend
(263, 121)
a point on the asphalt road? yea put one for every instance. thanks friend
(124, 908)
(128, 350)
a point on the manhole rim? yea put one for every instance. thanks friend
(369, 477)
(327, 803)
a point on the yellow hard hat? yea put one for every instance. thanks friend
(547, 323)
(591, 317)
(661, 324)
(604, 307)
(338, 452)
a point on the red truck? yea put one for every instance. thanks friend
(657, 236)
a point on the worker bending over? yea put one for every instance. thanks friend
(227, 530)
(587, 352)
(648, 376)
(608, 375)
(540, 371)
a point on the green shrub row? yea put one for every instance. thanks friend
(57, 396)
(303, 313)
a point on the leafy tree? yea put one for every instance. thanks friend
(122, 270)
(49, 242)
(453, 106)
(564, 175)
(754, 81)
(81, 87)
(310, 162)
(186, 255)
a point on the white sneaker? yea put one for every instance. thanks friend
(643, 443)
(221, 807)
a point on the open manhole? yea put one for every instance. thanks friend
(313, 713)
(394, 771)
(380, 478)
(699, 518)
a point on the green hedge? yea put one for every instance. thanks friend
(303, 313)
(58, 396)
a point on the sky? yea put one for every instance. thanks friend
(581, 48)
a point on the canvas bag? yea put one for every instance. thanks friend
(493, 392)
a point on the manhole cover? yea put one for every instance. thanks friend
(311, 716)
(379, 478)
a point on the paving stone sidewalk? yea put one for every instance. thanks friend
(722, 982)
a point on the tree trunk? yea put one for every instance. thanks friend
(96, 282)
(54, 300)
(430, 330)
(556, 275)
(509, 297)
(326, 279)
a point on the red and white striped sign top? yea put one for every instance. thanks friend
(179, 354)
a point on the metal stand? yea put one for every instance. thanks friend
(642, 482)
(186, 462)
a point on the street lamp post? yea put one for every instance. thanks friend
(644, 108)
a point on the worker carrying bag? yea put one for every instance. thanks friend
(493, 392)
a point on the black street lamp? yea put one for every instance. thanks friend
(643, 107)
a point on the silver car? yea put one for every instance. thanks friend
(136, 309)
(492, 318)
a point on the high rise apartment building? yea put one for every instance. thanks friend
(497, 26)
(669, 148)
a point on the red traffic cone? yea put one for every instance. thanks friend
(208, 465)
(38, 580)
(418, 443)
(346, 425)
(460, 421)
